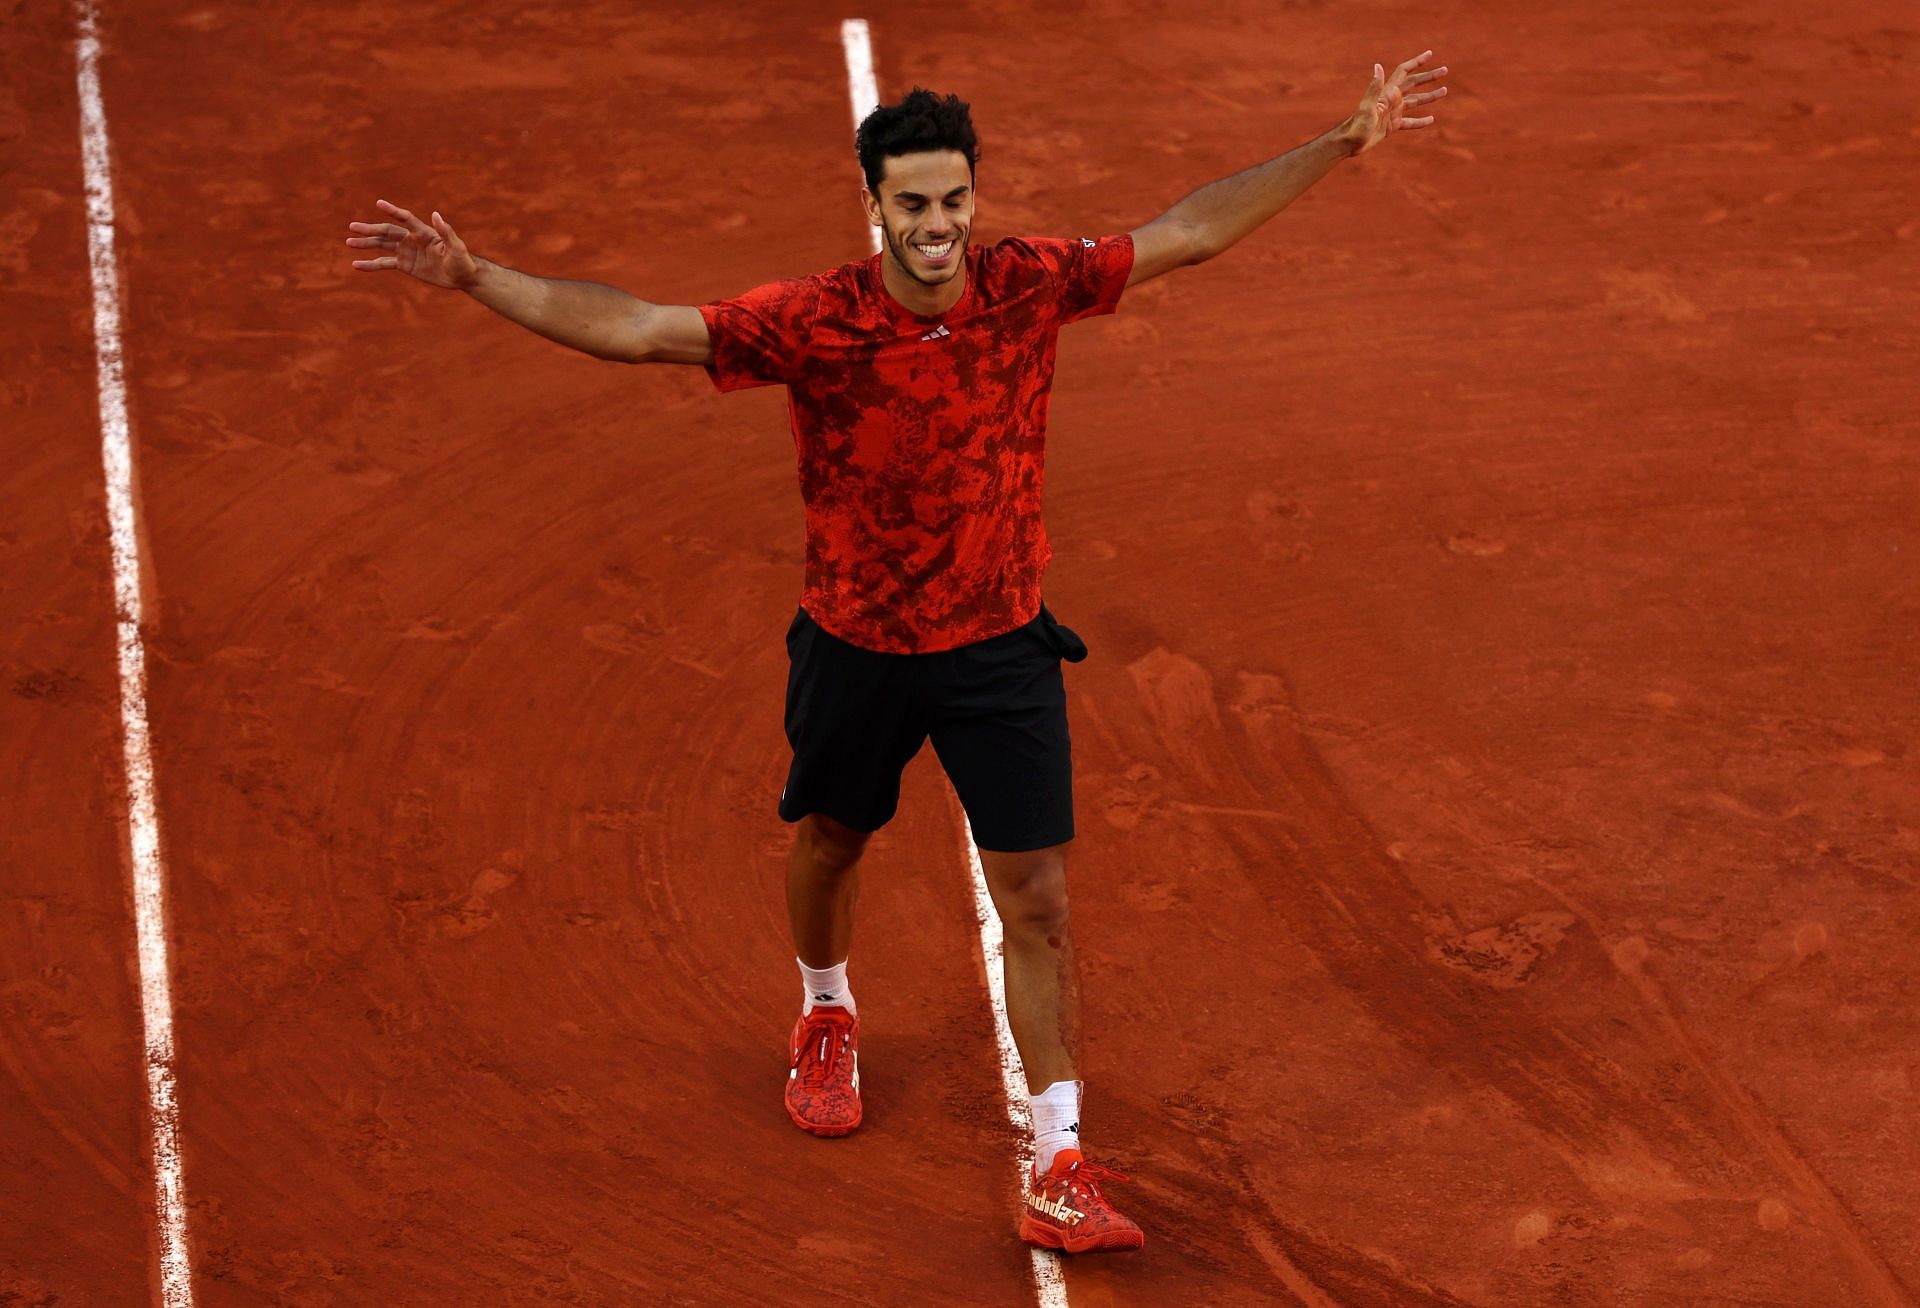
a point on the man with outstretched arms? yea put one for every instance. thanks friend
(919, 381)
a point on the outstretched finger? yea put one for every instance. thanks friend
(373, 242)
(1407, 123)
(1413, 63)
(375, 265)
(1419, 79)
(1425, 97)
(447, 234)
(378, 229)
(414, 225)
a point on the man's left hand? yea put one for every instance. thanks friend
(1383, 110)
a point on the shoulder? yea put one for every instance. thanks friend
(843, 283)
(789, 306)
(1023, 260)
(1036, 250)
(846, 285)
(1083, 274)
(1055, 257)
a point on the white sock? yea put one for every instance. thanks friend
(1056, 1121)
(826, 986)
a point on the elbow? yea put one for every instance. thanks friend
(1201, 246)
(629, 347)
(620, 353)
(636, 340)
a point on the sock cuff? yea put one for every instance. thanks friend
(1056, 1121)
(825, 985)
(1061, 1094)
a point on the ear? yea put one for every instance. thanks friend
(871, 204)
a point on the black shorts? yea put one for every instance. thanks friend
(996, 711)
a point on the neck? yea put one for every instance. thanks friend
(917, 297)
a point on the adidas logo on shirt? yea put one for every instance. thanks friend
(936, 333)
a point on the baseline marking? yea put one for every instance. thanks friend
(863, 91)
(143, 816)
(1049, 1279)
(862, 88)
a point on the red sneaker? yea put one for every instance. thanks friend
(1066, 1211)
(823, 1072)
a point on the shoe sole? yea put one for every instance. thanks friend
(1046, 1237)
(833, 1132)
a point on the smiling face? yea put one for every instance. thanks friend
(925, 211)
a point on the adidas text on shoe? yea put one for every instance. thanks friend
(1065, 1209)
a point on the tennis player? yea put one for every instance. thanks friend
(918, 382)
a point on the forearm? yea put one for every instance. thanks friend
(1221, 213)
(591, 317)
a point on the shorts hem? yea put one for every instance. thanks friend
(1021, 844)
(793, 814)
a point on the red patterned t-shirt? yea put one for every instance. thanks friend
(922, 440)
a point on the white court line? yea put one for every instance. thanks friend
(143, 818)
(1049, 1279)
(862, 89)
(864, 93)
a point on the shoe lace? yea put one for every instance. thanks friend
(1084, 1177)
(826, 1040)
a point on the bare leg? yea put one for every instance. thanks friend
(1029, 892)
(823, 882)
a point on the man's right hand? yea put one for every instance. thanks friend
(436, 255)
(595, 319)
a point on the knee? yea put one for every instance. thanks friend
(1037, 905)
(829, 846)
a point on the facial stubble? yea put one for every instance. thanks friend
(897, 249)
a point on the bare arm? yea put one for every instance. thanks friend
(591, 317)
(1219, 214)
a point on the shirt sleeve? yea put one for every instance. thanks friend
(1088, 273)
(760, 338)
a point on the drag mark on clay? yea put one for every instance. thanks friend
(1382, 940)
(1318, 1271)
(1468, 542)
(1815, 1195)
(1227, 810)
(473, 912)
(1178, 695)
(1629, 1168)
(1504, 956)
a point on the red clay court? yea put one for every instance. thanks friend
(1497, 775)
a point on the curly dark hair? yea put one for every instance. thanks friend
(921, 121)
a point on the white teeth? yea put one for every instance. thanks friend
(935, 251)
